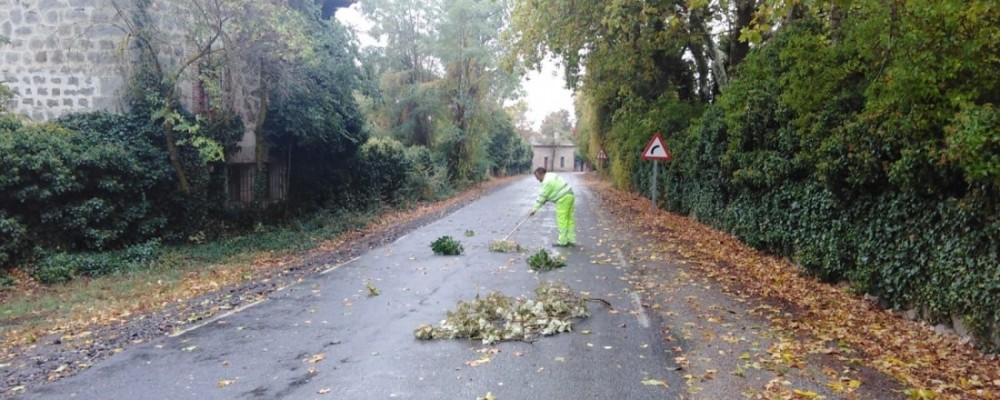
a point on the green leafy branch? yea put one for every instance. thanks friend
(544, 261)
(448, 246)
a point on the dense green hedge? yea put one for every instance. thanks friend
(820, 154)
(867, 151)
(384, 168)
(90, 182)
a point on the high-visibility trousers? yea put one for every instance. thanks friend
(564, 219)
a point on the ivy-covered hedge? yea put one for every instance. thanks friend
(859, 157)
(843, 160)
(71, 188)
(91, 182)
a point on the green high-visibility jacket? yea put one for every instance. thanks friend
(553, 189)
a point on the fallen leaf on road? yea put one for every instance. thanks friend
(323, 391)
(806, 394)
(475, 363)
(190, 348)
(223, 383)
(654, 382)
(315, 358)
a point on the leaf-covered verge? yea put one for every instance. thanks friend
(545, 261)
(498, 317)
(927, 363)
(53, 331)
(447, 246)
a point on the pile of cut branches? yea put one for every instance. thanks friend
(544, 261)
(497, 318)
(504, 246)
(448, 246)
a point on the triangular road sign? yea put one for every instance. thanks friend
(656, 149)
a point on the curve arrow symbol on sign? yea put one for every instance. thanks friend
(656, 149)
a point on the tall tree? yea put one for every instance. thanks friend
(556, 128)
(405, 68)
(518, 113)
(473, 85)
(439, 75)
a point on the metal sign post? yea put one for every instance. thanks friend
(656, 168)
(656, 150)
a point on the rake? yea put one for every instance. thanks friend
(515, 228)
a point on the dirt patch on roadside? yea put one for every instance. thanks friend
(72, 347)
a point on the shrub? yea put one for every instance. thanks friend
(428, 178)
(6, 281)
(55, 268)
(384, 168)
(12, 238)
(60, 267)
(71, 189)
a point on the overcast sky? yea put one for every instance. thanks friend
(545, 91)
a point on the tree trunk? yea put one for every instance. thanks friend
(744, 17)
(701, 63)
(261, 147)
(175, 159)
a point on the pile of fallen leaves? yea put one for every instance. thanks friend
(497, 317)
(504, 246)
(932, 365)
(446, 245)
(544, 261)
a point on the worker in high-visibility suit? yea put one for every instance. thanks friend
(556, 190)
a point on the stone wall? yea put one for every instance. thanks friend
(63, 56)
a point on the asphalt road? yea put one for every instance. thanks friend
(326, 338)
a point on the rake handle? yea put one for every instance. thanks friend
(515, 228)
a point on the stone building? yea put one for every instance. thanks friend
(61, 57)
(555, 157)
(67, 56)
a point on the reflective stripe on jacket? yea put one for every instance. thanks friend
(553, 189)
